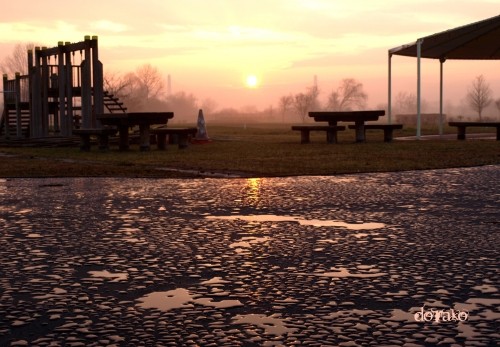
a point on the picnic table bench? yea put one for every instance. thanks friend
(182, 136)
(387, 128)
(331, 132)
(102, 135)
(461, 127)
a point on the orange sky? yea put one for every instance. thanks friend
(210, 47)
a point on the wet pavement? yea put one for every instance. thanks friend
(385, 259)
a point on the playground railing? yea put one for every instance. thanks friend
(11, 93)
(75, 73)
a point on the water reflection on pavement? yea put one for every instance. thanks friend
(405, 259)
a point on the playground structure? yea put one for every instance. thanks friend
(60, 93)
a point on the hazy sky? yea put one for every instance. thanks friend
(210, 47)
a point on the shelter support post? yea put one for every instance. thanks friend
(441, 115)
(389, 91)
(419, 115)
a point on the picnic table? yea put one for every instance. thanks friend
(144, 120)
(461, 126)
(358, 117)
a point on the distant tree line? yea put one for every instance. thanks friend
(478, 98)
(349, 95)
(144, 90)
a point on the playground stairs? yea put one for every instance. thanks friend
(10, 112)
(25, 141)
(113, 103)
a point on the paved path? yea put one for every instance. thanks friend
(451, 137)
(353, 260)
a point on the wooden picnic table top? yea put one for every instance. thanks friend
(135, 118)
(346, 116)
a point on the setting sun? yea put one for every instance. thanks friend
(252, 81)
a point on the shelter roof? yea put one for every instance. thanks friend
(475, 41)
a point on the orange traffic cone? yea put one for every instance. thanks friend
(201, 134)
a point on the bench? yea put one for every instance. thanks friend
(182, 136)
(331, 132)
(102, 135)
(461, 126)
(387, 128)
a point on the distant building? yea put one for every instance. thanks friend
(425, 119)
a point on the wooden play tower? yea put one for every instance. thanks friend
(62, 91)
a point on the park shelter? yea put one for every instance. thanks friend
(475, 41)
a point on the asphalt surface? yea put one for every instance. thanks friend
(385, 259)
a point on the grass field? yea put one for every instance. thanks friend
(254, 150)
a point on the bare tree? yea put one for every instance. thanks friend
(127, 88)
(479, 95)
(314, 94)
(285, 105)
(208, 106)
(305, 102)
(497, 104)
(119, 85)
(150, 81)
(140, 90)
(301, 103)
(349, 95)
(406, 102)
(17, 61)
(184, 105)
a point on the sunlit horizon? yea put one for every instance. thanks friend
(240, 54)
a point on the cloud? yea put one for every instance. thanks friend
(50, 32)
(109, 26)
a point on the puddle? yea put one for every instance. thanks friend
(248, 241)
(218, 304)
(181, 298)
(116, 277)
(214, 281)
(398, 315)
(135, 240)
(25, 211)
(486, 288)
(467, 331)
(271, 325)
(59, 291)
(476, 304)
(301, 221)
(327, 241)
(199, 173)
(166, 301)
(342, 272)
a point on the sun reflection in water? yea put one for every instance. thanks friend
(302, 221)
(253, 189)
